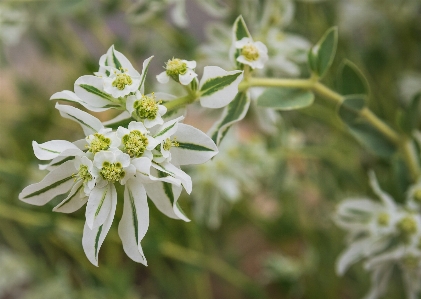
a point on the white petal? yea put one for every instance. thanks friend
(190, 64)
(89, 123)
(187, 77)
(103, 156)
(52, 149)
(135, 220)
(353, 254)
(181, 175)
(99, 205)
(93, 238)
(261, 47)
(156, 192)
(195, 146)
(167, 129)
(163, 77)
(74, 201)
(58, 181)
(244, 41)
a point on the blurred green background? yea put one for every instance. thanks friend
(269, 236)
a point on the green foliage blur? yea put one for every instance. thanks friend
(278, 239)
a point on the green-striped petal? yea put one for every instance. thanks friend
(135, 220)
(58, 181)
(74, 201)
(194, 146)
(233, 113)
(93, 238)
(89, 123)
(218, 87)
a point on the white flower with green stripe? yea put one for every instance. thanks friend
(181, 71)
(108, 88)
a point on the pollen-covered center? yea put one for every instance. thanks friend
(250, 52)
(135, 143)
(168, 143)
(146, 107)
(122, 80)
(99, 143)
(383, 219)
(112, 172)
(407, 227)
(176, 67)
(83, 174)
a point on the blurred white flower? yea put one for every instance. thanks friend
(254, 54)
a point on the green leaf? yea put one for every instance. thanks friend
(321, 55)
(194, 147)
(218, 83)
(234, 112)
(408, 118)
(364, 132)
(352, 80)
(281, 98)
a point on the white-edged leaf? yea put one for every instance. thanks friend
(99, 205)
(74, 201)
(135, 220)
(89, 123)
(181, 175)
(58, 181)
(164, 196)
(93, 238)
(218, 87)
(194, 146)
(54, 148)
(56, 162)
(167, 129)
(234, 112)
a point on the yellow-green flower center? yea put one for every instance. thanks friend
(250, 52)
(135, 143)
(168, 143)
(122, 80)
(112, 172)
(83, 174)
(175, 67)
(146, 107)
(407, 227)
(383, 219)
(417, 196)
(99, 143)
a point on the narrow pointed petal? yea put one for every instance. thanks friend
(51, 149)
(58, 181)
(135, 220)
(144, 73)
(89, 123)
(181, 175)
(74, 201)
(194, 146)
(99, 205)
(351, 255)
(91, 90)
(93, 238)
(164, 196)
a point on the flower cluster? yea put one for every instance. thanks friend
(385, 235)
(144, 155)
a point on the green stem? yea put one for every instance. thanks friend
(215, 265)
(406, 147)
(180, 102)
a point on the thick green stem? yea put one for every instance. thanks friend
(180, 102)
(270, 82)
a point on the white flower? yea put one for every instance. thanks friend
(254, 54)
(136, 141)
(146, 108)
(179, 70)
